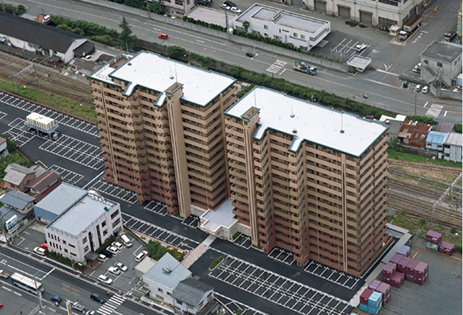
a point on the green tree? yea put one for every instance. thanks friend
(126, 38)
(176, 52)
(457, 128)
(246, 25)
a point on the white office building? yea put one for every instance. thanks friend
(377, 12)
(288, 27)
(83, 227)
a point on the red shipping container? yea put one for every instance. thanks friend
(421, 270)
(374, 284)
(397, 279)
(446, 248)
(365, 296)
(402, 264)
(410, 269)
(396, 258)
(409, 277)
(384, 289)
(421, 281)
(389, 270)
(387, 299)
(433, 237)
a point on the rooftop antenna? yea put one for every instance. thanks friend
(175, 69)
(342, 123)
(292, 111)
(171, 76)
(255, 97)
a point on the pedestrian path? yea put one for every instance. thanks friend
(195, 254)
(110, 306)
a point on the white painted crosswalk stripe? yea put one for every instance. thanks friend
(434, 110)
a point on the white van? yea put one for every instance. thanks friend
(140, 256)
(125, 239)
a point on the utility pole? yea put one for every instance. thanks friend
(39, 293)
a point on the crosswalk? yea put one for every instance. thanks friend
(110, 306)
(277, 66)
(434, 110)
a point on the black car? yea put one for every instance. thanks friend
(405, 84)
(230, 4)
(107, 253)
(250, 54)
(98, 298)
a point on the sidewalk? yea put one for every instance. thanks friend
(198, 251)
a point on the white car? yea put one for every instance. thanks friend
(418, 88)
(224, 6)
(425, 90)
(236, 10)
(117, 245)
(112, 249)
(101, 258)
(40, 251)
(361, 47)
(105, 279)
(121, 266)
(114, 270)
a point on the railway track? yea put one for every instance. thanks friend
(455, 171)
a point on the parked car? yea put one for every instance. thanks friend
(225, 6)
(78, 307)
(40, 251)
(56, 299)
(405, 84)
(112, 249)
(114, 270)
(425, 90)
(139, 257)
(106, 253)
(118, 245)
(230, 4)
(121, 266)
(235, 9)
(102, 257)
(98, 298)
(105, 279)
(44, 246)
(250, 54)
(418, 88)
(361, 47)
(417, 68)
(163, 36)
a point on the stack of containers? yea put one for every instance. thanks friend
(433, 239)
(385, 290)
(404, 251)
(446, 248)
(397, 279)
(402, 264)
(421, 272)
(374, 284)
(396, 258)
(374, 304)
(388, 271)
(410, 270)
(365, 296)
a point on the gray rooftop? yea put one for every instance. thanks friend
(15, 173)
(167, 272)
(359, 62)
(223, 216)
(443, 51)
(16, 199)
(7, 213)
(191, 291)
(454, 138)
(312, 123)
(284, 18)
(61, 198)
(157, 73)
(82, 215)
(45, 36)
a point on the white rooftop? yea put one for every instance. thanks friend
(223, 216)
(158, 73)
(312, 122)
(283, 18)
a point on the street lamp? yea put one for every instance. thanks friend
(39, 294)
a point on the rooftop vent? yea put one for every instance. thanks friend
(166, 270)
(129, 64)
(294, 130)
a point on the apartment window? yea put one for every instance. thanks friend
(116, 223)
(73, 254)
(160, 290)
(71, 245)
(86, 249)
(115, 213)
(439, 64)
(266, 27)
(103, 224)
(65, 250)
(84, 240)
(64, 242)
(302, 36)
(294, 34)
(105, 232)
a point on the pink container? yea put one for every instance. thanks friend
(374, 284)
(410, 269)
(421, 270)
(389, 269)
(433, 237)
(396, 258)
(409, 277)
(421, 281)
(402, 264)
(397, 279)
(384, 289)
(446, 248)
(365, 296)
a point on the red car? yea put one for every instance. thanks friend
(163, 36)
(44, 246)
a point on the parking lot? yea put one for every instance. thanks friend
(115, 191)
(60, 118)
(65, 174)
(156, 207)
(234, 306)
(277, 289)
(332, 275)
(158, 233)
(243, 241)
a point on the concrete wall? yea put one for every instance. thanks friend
(215, 33)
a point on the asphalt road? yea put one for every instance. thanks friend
(382, 86)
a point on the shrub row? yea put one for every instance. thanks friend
(16, 10)
(156, 251)
(64, 260)
(205, 24)
(216, 262)
(108, 242)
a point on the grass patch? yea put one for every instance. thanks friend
(402, 156)
(156, 251)
(216, 262)
(257, 247)
(236, 235)
(84, 108)
(177, 215)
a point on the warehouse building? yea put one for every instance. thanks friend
(161, 126)
(288, 27)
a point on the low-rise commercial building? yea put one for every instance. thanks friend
(453, 147)
(300, 30)
(441, 63)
